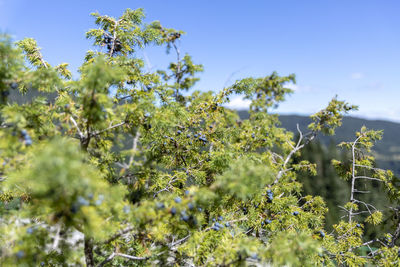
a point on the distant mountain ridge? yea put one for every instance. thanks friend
(386, 151)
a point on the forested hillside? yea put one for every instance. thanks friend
(386, 151)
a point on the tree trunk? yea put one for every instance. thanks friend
(89, 252)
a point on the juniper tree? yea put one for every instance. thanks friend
(122, 168)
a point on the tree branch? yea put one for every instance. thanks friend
(396, 235)
(57, 237)
(107, 129)
(120, 233)
(114, 38)
(134, 147)
(173, 244)
(353, 176)
(77, 127)
(131, 257)
(369, 167)
(167, 187)
(88, 249)
(293, 151)
(178, 69)
(368, 178)
(117, 254)
(107, 260)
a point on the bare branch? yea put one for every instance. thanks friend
(114, 38)
(134, 147)
(167, 187)
(296, 148)
(131, 257)
(122, 165)
(275, 155)
(179, 241)
(362, 192)
(366, 205)
(343, 208)
(369, 167)
(120, 233)
(107, 260)
(353, 174)
(117, 254)
(368, 178)
(57, 237)
(396, 235)
(107, 129)
(231, 75)
(123, 97)
(77, 127)
(178, 69)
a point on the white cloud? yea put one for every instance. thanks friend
(383, 114)
(292, 86)
(357, 75)
(299, 88)
(238, 103)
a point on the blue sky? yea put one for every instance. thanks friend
(348, 48)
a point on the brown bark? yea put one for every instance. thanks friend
(89, 252)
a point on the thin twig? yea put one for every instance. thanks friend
(107, 260)
(114, 38)
(362, 192)
(298, 146)
(167, 187)
(134, 147)
(368, 178)
(117, 254)
(173, 244)
(178, 69)
(57, 237)
(131, 257)
(366, 205)
(369, 167)
(120, 233)
(107, 129)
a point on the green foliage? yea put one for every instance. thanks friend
(325, 182)
(11, 65)
(125, 34)
(60, 185)
(264, 92)
(294, 249)
(118, 167)
(32, 52)
(243, 180)
(328, 119)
